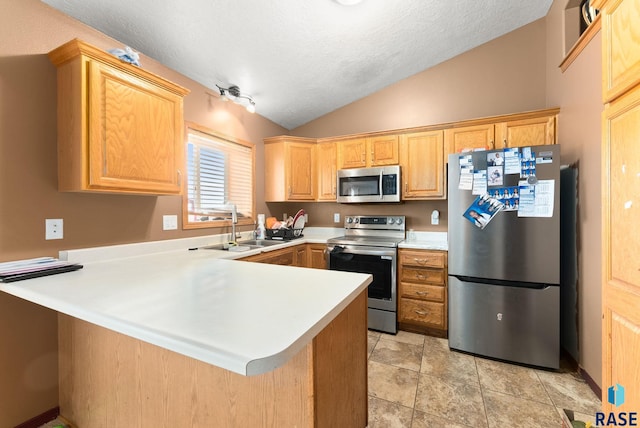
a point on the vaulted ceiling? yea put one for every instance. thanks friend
(301, 59)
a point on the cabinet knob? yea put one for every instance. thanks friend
(504, 143)
(492, 144)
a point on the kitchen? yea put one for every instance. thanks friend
(29, 94)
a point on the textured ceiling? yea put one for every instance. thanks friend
(301, 59)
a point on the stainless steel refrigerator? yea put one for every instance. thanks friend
(504, 273)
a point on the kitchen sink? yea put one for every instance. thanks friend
(243, 245)
(260, 242)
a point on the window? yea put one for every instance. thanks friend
(219, 172)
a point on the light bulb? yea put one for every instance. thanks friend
(251, 108)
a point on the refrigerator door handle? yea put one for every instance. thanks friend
(501, 282)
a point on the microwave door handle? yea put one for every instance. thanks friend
(380, 185)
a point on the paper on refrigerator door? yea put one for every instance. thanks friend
(536, 201)
(479, 182)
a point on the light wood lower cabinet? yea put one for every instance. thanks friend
(422, 291)
(285, 257)
(108, 379)
(317, 256)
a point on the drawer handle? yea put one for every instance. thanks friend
(421, 293)
(420, 312)
(420, 276)
(421, 261)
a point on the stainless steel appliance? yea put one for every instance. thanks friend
(504, 278)
(357, 185)
(370, 245)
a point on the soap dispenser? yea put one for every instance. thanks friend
(261, 231)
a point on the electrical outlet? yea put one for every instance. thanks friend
(336, 217)
(169, 222)
(53, 228)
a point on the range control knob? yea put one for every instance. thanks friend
(399, 220)
(349, 219)
(389, 220)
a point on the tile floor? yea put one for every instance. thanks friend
(416, 381)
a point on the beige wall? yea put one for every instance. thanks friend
(578, 93)
(28, 180)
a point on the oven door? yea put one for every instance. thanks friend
(380, 262)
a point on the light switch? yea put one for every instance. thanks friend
(336, 217)
(169, 222)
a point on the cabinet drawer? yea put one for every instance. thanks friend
(422, 258)
(429, 276)
(423, 292)
(419, 312)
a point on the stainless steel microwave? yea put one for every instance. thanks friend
(364, 185)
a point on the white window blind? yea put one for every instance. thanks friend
(219, 171)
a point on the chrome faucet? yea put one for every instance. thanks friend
(234, 217)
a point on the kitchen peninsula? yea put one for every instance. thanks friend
(188, 338)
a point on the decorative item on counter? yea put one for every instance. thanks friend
(127, 55)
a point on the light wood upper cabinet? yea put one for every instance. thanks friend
(368, 152)
(620, 52)
(422, 162)
(120, 127)
(526, 132)
(327, 163)
(469, 138)
(383, 150)
(290, 169)
(533, 128)
(352, 153)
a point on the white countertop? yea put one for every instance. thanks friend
(427, 241)
(248, 318)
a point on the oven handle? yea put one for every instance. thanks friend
(364, 250)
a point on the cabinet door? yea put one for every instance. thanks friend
(469, 138)
(352, 153)
(422, 164)
(316, 254)
(300, 255)
(301, 171)
(620, 55)
(526, 132)
(382, 150)
(327, 160)
(621, 243)
(135, 133)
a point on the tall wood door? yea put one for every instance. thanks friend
(327, 162)
(301, 171)
(382, 150)
(621, 247)
(422, 161)
(352, 153)
(527, 132)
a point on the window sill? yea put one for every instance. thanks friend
(582, 43)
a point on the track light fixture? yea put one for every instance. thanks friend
(233, 93)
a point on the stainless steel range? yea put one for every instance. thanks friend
(370, 245)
